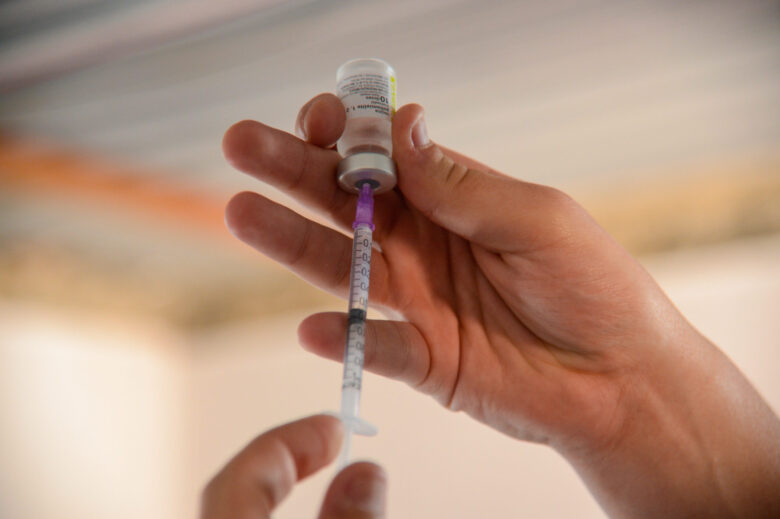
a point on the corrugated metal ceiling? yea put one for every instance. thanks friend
(581, 94)
(553, 91)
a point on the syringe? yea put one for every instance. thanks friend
(367, 89)
(354, 351)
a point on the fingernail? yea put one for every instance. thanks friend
(367, 493)
(300, 129)
(420, 133)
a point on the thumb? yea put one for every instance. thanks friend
(491, 209)
(357, 492)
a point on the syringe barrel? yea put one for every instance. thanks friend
(350, 402)
(360, 276)
(367, 89)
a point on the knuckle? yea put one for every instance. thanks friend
(453, 173)
(452, 178)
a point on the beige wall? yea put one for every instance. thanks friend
(92, 417)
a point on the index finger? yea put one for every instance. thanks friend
(301, 169)
(263, 473)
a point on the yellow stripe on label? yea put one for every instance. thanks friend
(392, 95)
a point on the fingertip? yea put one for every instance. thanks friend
(365, 467)
(359, 490)
(413, 150)
(263, 473)
(323, 334)
(239, 144)
(331, 421)
(239, 211)
(419, 161)
(314, 441)
(333, 429)
(404, 122)
(363, 471)
(321, 121)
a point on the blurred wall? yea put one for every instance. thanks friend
(94, 417)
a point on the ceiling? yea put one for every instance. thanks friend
(592, 96)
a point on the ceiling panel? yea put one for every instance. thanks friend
(587, 95)
(553, 91)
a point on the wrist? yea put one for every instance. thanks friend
(690, 437)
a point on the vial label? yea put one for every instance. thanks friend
(368, 95)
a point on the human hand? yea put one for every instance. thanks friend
(511, 304)
(517, 308)
(256, 480)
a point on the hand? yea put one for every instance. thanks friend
(516, 306)
(254, 482)
(511, 304)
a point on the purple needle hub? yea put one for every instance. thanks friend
(364, 215)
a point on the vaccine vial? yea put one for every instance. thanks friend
(367, 89)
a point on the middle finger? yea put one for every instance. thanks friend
(318, 254)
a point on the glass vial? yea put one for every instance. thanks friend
(367, 89)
